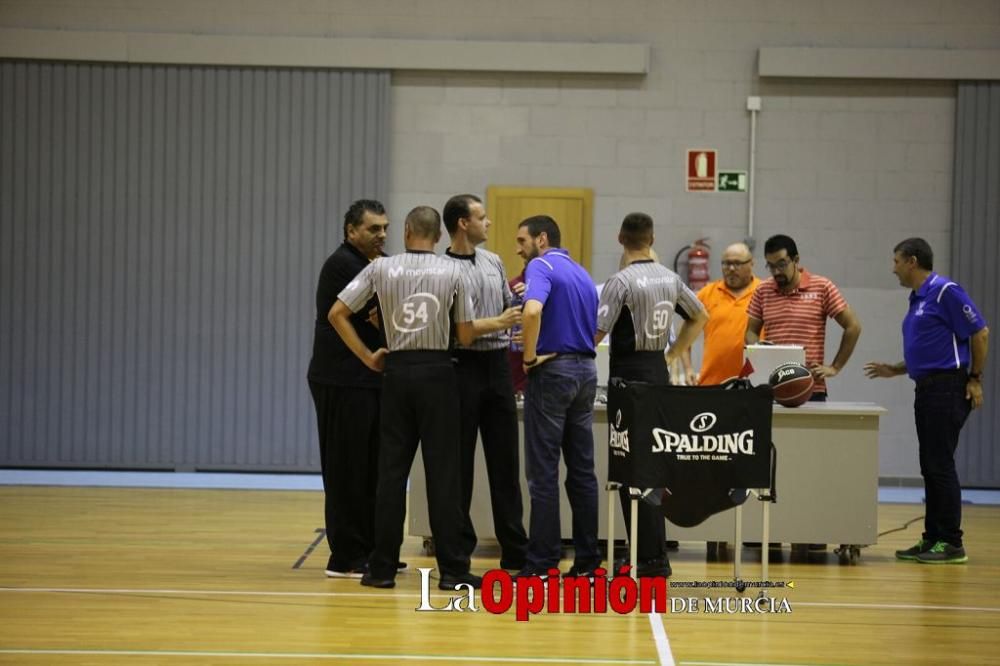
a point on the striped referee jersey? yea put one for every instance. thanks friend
(417, 291)
(490, 294)
(638, 304)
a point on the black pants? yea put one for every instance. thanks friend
(419, 397)
(644, 367)
(488, 409)
(940, 409)
(348, 450)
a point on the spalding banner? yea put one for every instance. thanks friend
(684, 436)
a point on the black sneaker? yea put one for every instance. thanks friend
(531, 572)
(355, 572)
(401, 566)
(586, 570)
(943, 553)
(512, 565)
(658, 568)
(914, 550)
(451, 582)
(381, 583)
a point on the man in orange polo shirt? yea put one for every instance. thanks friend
(794, 305)
(726, 301)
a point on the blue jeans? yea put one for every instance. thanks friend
(558, 415)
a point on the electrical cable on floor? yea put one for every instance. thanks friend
(905, 525)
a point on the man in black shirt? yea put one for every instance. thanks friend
(347, 396)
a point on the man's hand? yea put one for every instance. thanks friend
(974, 392)
(691, 377)
(820, 371)
(874, 369)
(519, 289)
(376, 360)
(540, 360)
(510, 317)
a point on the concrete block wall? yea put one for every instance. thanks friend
(846, 167)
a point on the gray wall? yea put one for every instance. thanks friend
(846, 167)
(161, 230)
(974, 258)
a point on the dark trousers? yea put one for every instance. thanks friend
(644, 367)
(558, 415)
(486, 398)
(348, 451)
(940, 409)
(419, 394)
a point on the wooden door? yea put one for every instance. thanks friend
(571, 207)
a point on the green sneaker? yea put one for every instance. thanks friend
(943, 553)
(912, 552)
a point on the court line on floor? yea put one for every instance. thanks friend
(233, 593)
(661, 640)
(744, 663)
(845, 604)
(324, 655)
(415, 593)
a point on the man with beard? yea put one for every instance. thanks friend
(793, 305)
(560, 321)
(347, 395)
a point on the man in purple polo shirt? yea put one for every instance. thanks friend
(945, 341)
(560, 320)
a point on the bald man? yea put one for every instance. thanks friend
(726, 301)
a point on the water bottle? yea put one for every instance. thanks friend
(516, 302)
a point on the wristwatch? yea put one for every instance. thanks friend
(978, 376)
(530, 363)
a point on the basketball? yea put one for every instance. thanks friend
(792, 383)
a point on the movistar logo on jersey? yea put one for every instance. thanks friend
(644, 282)
(416, 272)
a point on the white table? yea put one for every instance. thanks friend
(826, 481)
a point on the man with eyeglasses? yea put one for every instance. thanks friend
(793, 305)
(726, 301)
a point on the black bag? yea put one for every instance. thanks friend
(704, 444)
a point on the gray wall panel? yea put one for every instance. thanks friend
(975, 247)
(161, 230)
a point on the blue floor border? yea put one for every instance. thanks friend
(218, 480)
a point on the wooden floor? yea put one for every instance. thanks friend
(152, 576)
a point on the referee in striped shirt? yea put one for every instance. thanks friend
(637, 307)
(486, 389)
(417, 291)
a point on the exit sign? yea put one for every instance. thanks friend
(732, 181)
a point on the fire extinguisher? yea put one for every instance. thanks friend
(697, 263)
